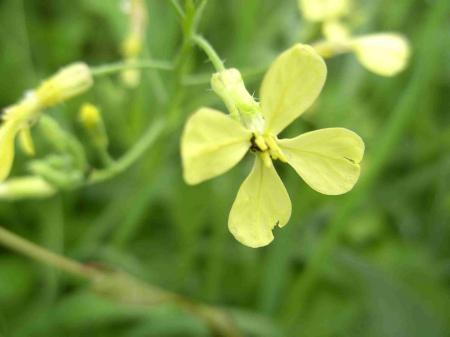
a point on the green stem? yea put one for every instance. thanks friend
(150, 136)
(209, 51)
(104, 156)
(393, 131)
(120, 286)
(108, 69)
(178, 8)
(18, 244)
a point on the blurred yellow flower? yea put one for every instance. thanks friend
(385, 54)
(17, 119)
(212, 143)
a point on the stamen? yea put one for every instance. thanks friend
(266, 159)
(260, 142)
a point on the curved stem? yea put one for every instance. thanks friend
(108, 69)
(147, 140)
(209, 51)
(38, 253)
(178, 8)
(121, 286)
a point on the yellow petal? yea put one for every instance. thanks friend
(291, 85)
(8, 132)
(384, 54)
(211, 144)
(321, 10)
(261, 204)
(26, 142)
(327, 159)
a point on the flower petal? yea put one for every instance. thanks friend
(261, 204)
(291, 85)
(8, 132)
(211, 144)
(321, 10)
(26, 141)
(384, 54)
(327, 159)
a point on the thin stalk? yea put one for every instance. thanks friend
(178, 8)
(147, 140)
(209, 51)
(27, 248)
(108, 69)
(122, 287)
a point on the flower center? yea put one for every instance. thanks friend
(266, 146)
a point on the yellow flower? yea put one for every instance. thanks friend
(17, 119)
(385, 54)
(212, 143)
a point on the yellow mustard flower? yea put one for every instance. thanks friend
(212, 143)
(385, 54)
(17, 119)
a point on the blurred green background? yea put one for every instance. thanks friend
(374, 262)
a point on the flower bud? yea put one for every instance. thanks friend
(89, 116)
(228, 84)
(68, 82)
(26, 187)
(91, 119)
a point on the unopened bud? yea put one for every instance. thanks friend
(228, 84)
(91, 119)
(67, 83)
(26, 187)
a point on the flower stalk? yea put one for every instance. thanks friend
(120, 286)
